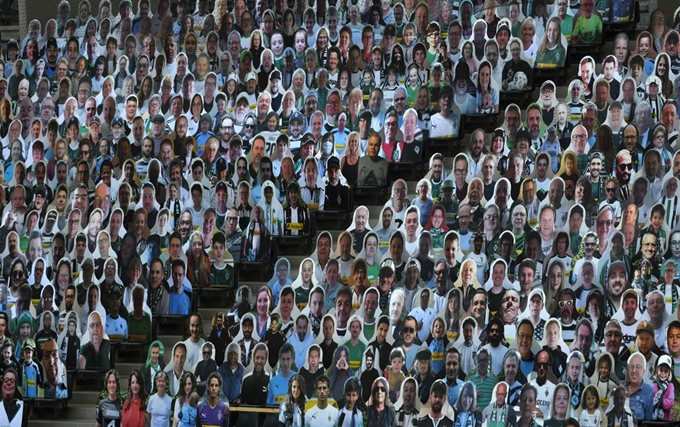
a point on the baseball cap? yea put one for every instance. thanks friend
(665, 360)
(250, 76)
(297, 116)
(386, 268)
(74, 121)
(644, 326)
(499, 132)
(221, 186)
(29, 343)
(333, 162)
(307, 138)
(116, 289)
(523, 133)
(439, 387)
(276, 74)
(87, 263)
(159, 118)
(424, 354)
(117, 121)
(447, 185)
(653, 80)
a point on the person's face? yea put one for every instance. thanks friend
(510, 306)
(524, 342)
(655, 306)
(635, 370)
(648, 246)
(617, 282)
(673, 341)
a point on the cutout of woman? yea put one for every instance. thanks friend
(559, 410)
(487, 90)
(555, 281)
(673, 252)
(263, 309)
(560, 252)
(452, 314)
(467, 412)
(552, 52)
(305, 281)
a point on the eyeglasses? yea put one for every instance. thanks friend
(409, 330)
(380, 389)
(578, 136)
(249, 126)
(232, 219)
(17, 273)
(626, 166)
(604, 223)
(400, 99)
(490, 217)
(566, 303)
(610, 190)
(9, 380)
(47, 299)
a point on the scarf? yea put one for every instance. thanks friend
(355, 421)
(154, 297)
(611, 419)
(662, 385)
(470, 421)
(575, 393)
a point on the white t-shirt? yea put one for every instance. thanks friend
(160, 409)
(316, 417)
(496, 357)
(545, 395)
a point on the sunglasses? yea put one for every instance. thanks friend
(408, 330)
(566, 303)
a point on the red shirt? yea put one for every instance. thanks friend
(133, 416)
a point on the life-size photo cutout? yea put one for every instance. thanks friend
(517, 72)
(587, 26)
(552, 50)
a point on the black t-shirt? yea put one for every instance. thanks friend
(109, 413)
